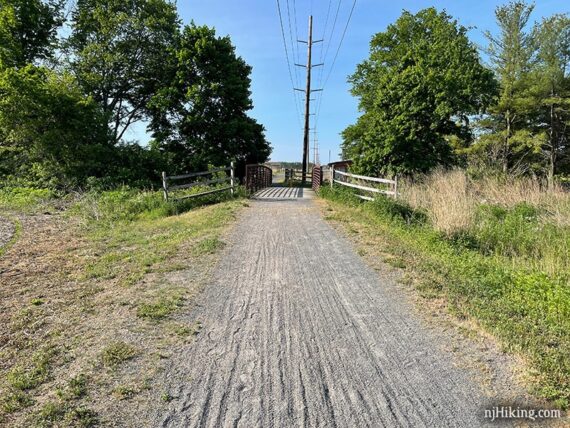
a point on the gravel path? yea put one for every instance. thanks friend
(7, 230)
(298, 331)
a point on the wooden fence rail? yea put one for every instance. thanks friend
(167, 188)
(364, 184)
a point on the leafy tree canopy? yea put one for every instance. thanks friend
(119, 50)
(417, 90)
(50, 133)
(200, 117)
(28, 30)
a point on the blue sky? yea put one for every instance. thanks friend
(254, 28)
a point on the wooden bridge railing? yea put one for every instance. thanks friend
(257, 177)
(317, 177)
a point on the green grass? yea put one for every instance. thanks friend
(26, 377)
(117, 353)
(139, 233)
(66, 411)
(160, 309)
(14, 401)
(76, 388)
(126, 204)
(63, 414)
(484, 276)
(24, 198)
(208, 245)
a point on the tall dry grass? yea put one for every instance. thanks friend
(445, 197)
(451, 198)
(521, 219)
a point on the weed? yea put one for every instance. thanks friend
(181, 330)
(15, 400)
(37, 302)
(28, 377)
(117, 353)
(161, 309)
(207, 246)
(124, 392)
(56, 414)
(396, 262)
(82, 417)
(76, 388)
(50, 414)
(166, 397)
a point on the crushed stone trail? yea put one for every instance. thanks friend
(298, 332)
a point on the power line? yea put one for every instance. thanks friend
(341, 40)
(293, 44)
(288, 61)
(335, 58)
(321, 58)
(296, 44)
(326, 54)
(333, 27)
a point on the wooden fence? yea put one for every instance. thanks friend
(365, 184)
(167, 188)
(257, 177)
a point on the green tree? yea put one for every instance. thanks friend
(552, 90)
(417, 90)
(200, 118)
(119, 49)
(506, 139)
(28, 30)
(50, 133)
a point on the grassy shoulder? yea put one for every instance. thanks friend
(96, 298)
(522, 305)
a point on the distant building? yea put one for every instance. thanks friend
(341, 165)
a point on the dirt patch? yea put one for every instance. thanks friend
(76, 349)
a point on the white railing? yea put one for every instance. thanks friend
(365, 184)
(167, 188)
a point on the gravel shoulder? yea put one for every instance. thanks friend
(297, 330)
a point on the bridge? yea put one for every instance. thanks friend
(262, 184)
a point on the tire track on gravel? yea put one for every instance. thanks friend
(298, 331)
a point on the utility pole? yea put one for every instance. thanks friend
(316, 160)
(308, 92)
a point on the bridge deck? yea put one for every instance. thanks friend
(284, 193)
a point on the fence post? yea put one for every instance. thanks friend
(232, 177)
(332, 176)
(396, 186)
(165, 186)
